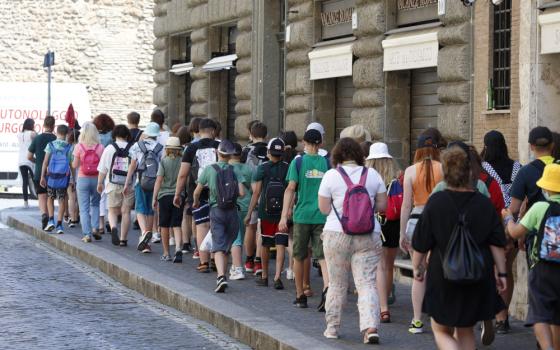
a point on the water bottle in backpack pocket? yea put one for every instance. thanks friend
(90, 160)
(227, 187)
(119, 164)
(149, 165)
(58, 170)
(358, 215)
(274, 191)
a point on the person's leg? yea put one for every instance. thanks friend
(201, 232)
(165, 239)
(317, 250)
(142, 221)
(543, 332)
(82, 192)
(265, 258)
(50, 207)
(280, 257)
(444, 337)
(43, 203)
(73, 203)
(114, 216)
(186, 226)
(23, 170)
(301, 243)
(556, 336)
(337, 258)
(221, 263)
(418, 291)
(95, 200)
(307, 271)
(385, 277)
(465, 338)
(178, 235)
(61, 207)
(502, 316)
(150, 220)
(125, 222)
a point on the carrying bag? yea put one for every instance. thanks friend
(255, 155)
(463, 262)
(394, 200)
(58, 170)
(89, 161)
(203, 158)
(119, 164)
(148, 167)
(358, 215)
(274, 191)
(544, 245)
(227, 187)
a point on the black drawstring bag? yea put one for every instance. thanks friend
(463, 262)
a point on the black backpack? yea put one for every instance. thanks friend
(119, 164)
(255, 155)
(274, 191)
(463, 262)
(227, 186)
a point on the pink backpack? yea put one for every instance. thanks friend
(358, 216)
(89, 161)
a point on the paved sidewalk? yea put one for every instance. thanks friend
(261, 317)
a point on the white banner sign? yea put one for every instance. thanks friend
(410, 51)
(331, 61)
(550, 32)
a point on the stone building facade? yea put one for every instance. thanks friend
(106, 45)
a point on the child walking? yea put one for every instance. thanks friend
(170, 217)
(55, 176)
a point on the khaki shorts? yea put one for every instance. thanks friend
(305, 236)
(116, 198)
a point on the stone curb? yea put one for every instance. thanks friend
(251, 334)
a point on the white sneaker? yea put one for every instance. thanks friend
(156, 238)
(25, 204)
(289, 274)
(236, 274)
(171, 241)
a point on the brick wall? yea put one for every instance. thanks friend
(106, 45)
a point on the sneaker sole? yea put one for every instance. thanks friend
(221, 288)
(372, 339)
(49, 228)
(142, 244)
(415, 330)
(115, 237)
(234, 278)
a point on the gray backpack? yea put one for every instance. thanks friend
(148, 167)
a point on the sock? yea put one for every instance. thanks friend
(51, 218)
(257, 259)
(250, 258)
(59, 222)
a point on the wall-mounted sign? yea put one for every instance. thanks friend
(411, 50)
(331, 61)
(441, 8)
(550, 32)
(337, 18)
(416, 11)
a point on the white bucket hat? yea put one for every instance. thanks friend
(378, 150)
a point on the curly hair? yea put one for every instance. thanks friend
(104, 123)
(347, 149)
(456, 168)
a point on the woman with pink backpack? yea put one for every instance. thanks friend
(351, 237)
(87, 154)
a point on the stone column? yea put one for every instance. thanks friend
(161, 55)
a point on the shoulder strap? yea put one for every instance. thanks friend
(299, 162)
(363, 177)
(142, 146)
(488, 181)
(216, 167)
(344, 176)
(82, 147)
(158, 148)
(328, 161)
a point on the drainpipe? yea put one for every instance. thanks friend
(471, 83)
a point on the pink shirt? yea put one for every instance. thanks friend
(79, 152)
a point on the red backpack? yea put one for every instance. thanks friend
(358, 216)
(394, 200)
(89, 161)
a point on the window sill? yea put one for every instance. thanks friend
(496, 112)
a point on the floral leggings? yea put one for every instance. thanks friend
(361, 254)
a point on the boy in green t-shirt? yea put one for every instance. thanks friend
(304, 176)
(224, 223)
(269, 182)
(244, 175)
(544, 282)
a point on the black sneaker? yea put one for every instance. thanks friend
(262, 282)
(123, 243)
(115, 236)
(178, 258)
(321, 307)
(44, 221)
(213, 265)
(97, 236)
(186, 248)
(301, 302)
(278, 285)
(135, 225)
(144, 240)
(107, 227)
(221, 284)
(502, 327)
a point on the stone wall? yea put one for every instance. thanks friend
(103, 44)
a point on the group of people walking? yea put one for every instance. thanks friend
(348, 210)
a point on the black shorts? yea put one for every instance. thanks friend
(40, 189)
(391, 232)
(201, 214)
(544, 294)
(169, 215)
(59, 193)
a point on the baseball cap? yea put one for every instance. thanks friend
(316, 126)
(152, 129)
(540, 136)
(238, 149)
(276, 147)
(226, 148)
(313, 136)
(426, 141)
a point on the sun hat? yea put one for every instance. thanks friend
(226, 147)
(276, 147)
(378, 150)
(173, 143)
(550, 179)
(152, 129)
(357, 132)
(316, 126)
(313, 137)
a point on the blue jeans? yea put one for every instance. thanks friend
(88, 200)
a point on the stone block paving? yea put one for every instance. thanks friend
(51, 301)
(277, 305)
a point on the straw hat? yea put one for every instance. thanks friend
(173, 143)
(378, 150)
(357, 132)
(550, 179)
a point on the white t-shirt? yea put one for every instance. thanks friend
(24, 140)
(107, 158)
(333, 186)
(163, 136)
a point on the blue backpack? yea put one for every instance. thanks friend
(58, 171)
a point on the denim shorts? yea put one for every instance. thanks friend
(143, 201)
(224, 225)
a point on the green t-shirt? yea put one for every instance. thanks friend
(244, 174)
(209, 178)
(169, 169)
(532, 219)
(276, 169)
(480, 186)
(37, 147)
(308, 179)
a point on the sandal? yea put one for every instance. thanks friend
(123, 243)
(307, 291)
(385, 317)
(371, 336)
(97, 236)
(203, 267)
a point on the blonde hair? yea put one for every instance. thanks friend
(172, 152)
(386, 167)
(89, 135)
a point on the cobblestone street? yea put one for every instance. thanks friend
(51, 301)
